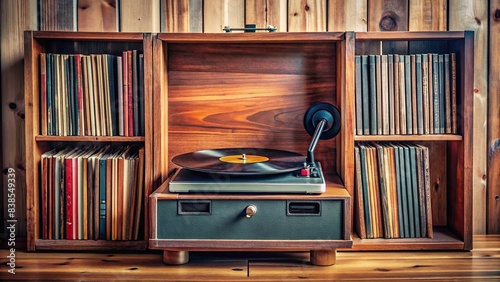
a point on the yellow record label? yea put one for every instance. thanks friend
(243, 159)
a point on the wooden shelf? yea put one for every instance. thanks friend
(90, 138)
(296, 37)
(431, 137)
(89, 245)
(248, 90)
(451, 154)
(89, 36)
(86, 43)
(413, 36)
(443, 239)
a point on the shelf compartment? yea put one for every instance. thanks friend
(244, 90)
(451, 154)
(36, 42)
(444, 239)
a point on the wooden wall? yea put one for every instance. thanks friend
(482, 16)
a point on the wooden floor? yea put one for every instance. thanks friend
(483, 263)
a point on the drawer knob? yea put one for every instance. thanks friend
(250, 210)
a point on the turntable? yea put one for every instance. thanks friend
(246, 170)
(257, 170)
(254, 199)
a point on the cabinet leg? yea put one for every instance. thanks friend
(175, 257)
(323, 257)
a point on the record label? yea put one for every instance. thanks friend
(243, 159)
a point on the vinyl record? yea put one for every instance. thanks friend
(241, 161)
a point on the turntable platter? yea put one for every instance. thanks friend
(241, 161)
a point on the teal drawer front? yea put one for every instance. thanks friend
(226, 219)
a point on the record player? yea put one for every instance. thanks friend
(233, 166)
(259, 170)
(254, 199)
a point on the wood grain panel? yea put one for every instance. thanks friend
(196, 15)
(32, 125)
(160, 114)
(15, 17)
(97, 15)
(388, 15)
(345, 98)
(148, 128)
(266, 12)
(427, 15)
(256, 12)
(220, 13)
(277, 14)
(310, 59)
(493, 196)
(140, 16)
(473, 15)
(128, 266)
(347, 15)
(378, 267)
(176, 16)
(57, 15)
(307, 15)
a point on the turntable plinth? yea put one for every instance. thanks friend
(319, 223)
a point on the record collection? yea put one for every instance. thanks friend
(92, 192)
(392, 191)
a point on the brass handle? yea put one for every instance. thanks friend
(250, 211)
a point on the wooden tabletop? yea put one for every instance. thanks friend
(479, 264)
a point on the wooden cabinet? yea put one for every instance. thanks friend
(251, 90)
(450, 153)
(38, 141)
(248, 90)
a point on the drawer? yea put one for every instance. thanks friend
(273, 219)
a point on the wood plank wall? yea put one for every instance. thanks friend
(493, 145)
(288, 15)
(16, 16)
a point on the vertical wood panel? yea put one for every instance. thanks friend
(304, 15)
(220, 13)
(266, 12)
(388, 15)
(427, 15)
(493, 202)
(473, 15)
(97, 15)
(57, 15)
(140, 16)
(351, 15)
(181, 15)
(277, 14)
(196, 15)
(256, 12)
(15, 17)
(176, 15)
(345, 97)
